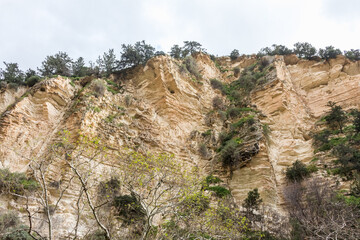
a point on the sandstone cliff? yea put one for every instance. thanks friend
(161, 107)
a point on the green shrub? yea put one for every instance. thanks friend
(212, 180)
(228, 153)
(31, 81)
(297, 172)
(329, 52)
(249, 119)
(206, 133)
(195, 203)
(11, 228)
(312, 168)
(336, 117)
(253, 200)
(16, 182)
(129, 208)
(219, 191)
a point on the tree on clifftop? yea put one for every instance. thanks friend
(58, 64)
(304, 50)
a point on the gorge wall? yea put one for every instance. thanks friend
(161, 108)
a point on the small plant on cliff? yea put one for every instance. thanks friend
(192, 67)
(336, 117)
(11, 228)
(16, 183)
(253, 200)
(297, 172)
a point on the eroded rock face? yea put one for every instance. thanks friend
(162, 109)
(27, 129)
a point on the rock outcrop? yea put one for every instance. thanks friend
(163, 107)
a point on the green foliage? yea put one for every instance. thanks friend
(206, 133)
(191, 47)
(356, 121)
(11, 228)
(234, 54)
(219, 191)
(31, 81)
(16, 182)
(297, 172)
(129, 208)
(312, 168)
(304, 50)
(275, 50)
(12, 74)
(78, 67)
(248, 119)
(228, 154)
(58, 64)
(211, 180)
(195, 203)
(137, 54)
(108, 63)
(353, 54)
(176, 51)
(348, 158)
(253, 200)
(336, 117)
(329, 52)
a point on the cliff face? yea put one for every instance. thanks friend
(162, 108)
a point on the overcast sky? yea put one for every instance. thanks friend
(32, 29)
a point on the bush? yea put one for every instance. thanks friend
(211, 180)
(228, 154)
(217, 103)
(11, 228)
(16, 182)
(216, 84)
(329, 52)
(99, 88)
(203, 150)
(236, 71)
(336, 117)
(31, 81)
(253, 200)
(192, 67)
(353, 54)
(219, 191)
(297, 172)
(304, 50)
(129, 208)
(195, 203)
